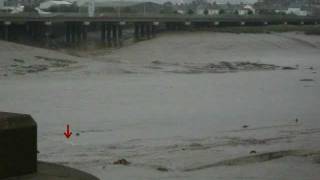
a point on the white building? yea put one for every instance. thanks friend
(213, 11)
(250, 8)
(51, 3)
(180, 11)
(246, 10)
(243, 12)
(297, 11)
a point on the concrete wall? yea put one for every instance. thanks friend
(18, 144)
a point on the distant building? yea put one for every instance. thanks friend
(297, 9)
(243, 12)
(213, 11)
(200, 10)
(180, 11)
(53, 3)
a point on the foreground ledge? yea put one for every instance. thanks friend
(18, 153)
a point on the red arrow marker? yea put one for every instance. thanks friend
(68, 133)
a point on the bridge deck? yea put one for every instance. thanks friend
(153, 18)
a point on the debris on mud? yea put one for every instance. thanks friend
(253, 152)
(18, 60)
(196, 145)
(163, 169)
(289, 68)
(122, 162)
(307, 80)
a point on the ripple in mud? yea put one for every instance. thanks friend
(258, 158)
(22, 67)
(220, 67)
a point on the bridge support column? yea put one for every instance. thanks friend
(103, 32)
(48, 32)
(115, 36)
(154, 28)
(136, 31)
(6, 30)
(109, 28)
(85, 30)
(78, 31)
(142, 30)
(121, 24)
(68, 32)
(188, 25)
(148, 30)
(73, 32)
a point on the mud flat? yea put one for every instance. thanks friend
(180, 106)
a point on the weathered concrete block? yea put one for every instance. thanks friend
(18, 144)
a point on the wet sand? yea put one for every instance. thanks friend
(180, 106)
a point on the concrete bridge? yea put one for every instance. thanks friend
(75, 27)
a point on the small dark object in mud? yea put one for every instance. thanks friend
(245, 126)
(18, 60)
(5, 75)
(38, 151)
(77, 134)
(317, 160)
(297, 120)
(289, 68)
(311, 68)
(253, 152)
(163, 169)
(195, 145)
(306, 80)
(314, 72)
(122, 162)
(156, 62)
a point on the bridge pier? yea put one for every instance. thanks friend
(6, 30)
(78, 32)
(103, 32)
(109, 29)
(48, 31)
(120, 33)
(154, 28)
(85, 30)
(148, 30)
(73, 33)
(136, 31)
(115, 36)
(68, 32)
(142, 32)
